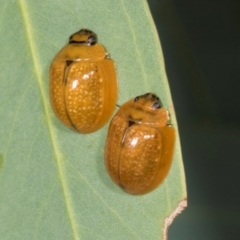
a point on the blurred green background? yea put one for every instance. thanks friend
(201, 46)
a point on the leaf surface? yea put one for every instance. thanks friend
(53, 183)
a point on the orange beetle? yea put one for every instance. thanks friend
(83, 83)
(139, 146)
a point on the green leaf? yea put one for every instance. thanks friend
(53, 183)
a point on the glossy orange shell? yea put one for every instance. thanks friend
(83, 87)
(138, 155)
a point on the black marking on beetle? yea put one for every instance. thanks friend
(136, 99)
(89, 43)
(156, 105)
(148, 96)
(130, 123)
(66, 71)
(69, 62)
(78, 42)
(154, 97)
(91, 40)
(64, 82)
(85, 31)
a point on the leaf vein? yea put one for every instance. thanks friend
(59, 162)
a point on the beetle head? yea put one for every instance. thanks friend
(84, 37)
(149, 100)
(148, 109)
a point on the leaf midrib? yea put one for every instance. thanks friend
(57, 153)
